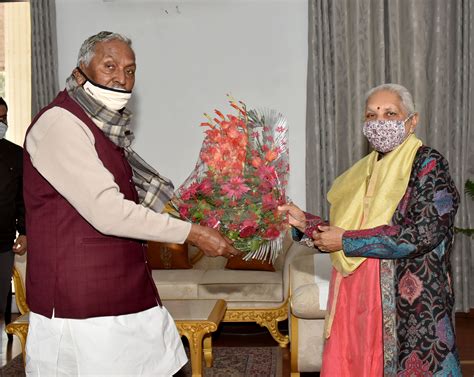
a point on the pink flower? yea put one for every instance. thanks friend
(268, 201)
(205, 187)
(234, 188)
(184, 211)
(190, 192)
(211, 222)
(267, 173)
(249, 222)
(272, 233)
(248, 227)
(280, 129)
(410, 287)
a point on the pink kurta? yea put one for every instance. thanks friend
(355, 346)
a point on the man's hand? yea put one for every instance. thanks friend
(329, 238)
(296, 216)
(20, 245)
(211, 242)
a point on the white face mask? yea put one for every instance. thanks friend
(114, 99)
(3, 130)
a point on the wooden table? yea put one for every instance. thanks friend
(196, 320)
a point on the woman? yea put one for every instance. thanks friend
(390, 236)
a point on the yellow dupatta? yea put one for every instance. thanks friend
(366, 196)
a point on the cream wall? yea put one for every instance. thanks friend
(190, 54)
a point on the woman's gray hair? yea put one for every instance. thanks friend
(401, 91)
(87, 50)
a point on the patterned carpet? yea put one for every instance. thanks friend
(228, 362)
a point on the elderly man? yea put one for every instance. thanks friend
(90, 199)
(12, 210)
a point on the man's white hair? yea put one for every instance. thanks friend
(401, 91)
(87, 50)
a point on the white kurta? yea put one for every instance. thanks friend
(61, 148)
(140, 344)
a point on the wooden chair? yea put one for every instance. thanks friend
(8, 311)
(19, 326)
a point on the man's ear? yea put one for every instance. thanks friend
(80, 79)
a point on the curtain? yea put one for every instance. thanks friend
(44, 54)
(425, 45)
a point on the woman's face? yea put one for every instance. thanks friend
(387, 105)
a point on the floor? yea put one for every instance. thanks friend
(230, 334)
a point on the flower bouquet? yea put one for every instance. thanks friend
(240, 179)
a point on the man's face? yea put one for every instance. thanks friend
(3, 114)
(113, 65)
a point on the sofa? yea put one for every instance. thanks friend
(251, 295)
(309, 288)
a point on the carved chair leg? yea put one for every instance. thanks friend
(272, 327)
(207, 349)
(21, 331)
(264, 317)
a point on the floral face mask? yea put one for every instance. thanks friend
(385, 135)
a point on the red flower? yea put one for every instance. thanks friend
(205, 187)
(267, 173)
(247, 231)
(272, 233)
(269, 202)
(191, 191)
(211, 222)
(235, 188)
(184, 212)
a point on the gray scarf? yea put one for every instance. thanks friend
(154, 190)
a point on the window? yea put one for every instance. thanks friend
(15, 66)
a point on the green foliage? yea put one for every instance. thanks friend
(469, 190)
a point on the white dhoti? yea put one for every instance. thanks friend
(140, 344)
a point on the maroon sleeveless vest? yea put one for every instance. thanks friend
(71, 267)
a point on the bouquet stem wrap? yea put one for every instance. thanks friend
(240, 179)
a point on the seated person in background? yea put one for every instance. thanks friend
(12, 209)
(90, 200)
(391, 295)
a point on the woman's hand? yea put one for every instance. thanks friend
(329, 238)
(296, 216)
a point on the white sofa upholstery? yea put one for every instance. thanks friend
(252, 296)
(309, 284)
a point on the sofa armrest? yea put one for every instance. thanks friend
(309, 285)
(295, 250)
